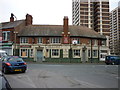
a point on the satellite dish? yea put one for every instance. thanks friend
(74, 42)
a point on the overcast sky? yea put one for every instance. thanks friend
(43, 11)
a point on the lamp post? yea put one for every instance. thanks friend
(70, 47)
(15, 34)
(91, 51)
(98, 51)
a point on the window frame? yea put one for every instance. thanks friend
(24, 40)
(75, 51)
(93, 53)
(6, 34)
(25, 51)
(40, 40)
(55, 40)
(31, 53)
(89, 53)
(58, 53)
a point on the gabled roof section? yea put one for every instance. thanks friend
(56, 30)
(11, 24)
(84, 31)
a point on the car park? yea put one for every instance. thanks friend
(13, 64)
(112, 60)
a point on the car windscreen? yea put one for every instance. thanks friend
(15, 59)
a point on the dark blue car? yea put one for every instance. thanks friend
(112, 60)
(13, 64)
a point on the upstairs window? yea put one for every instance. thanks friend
(103, 43)
(6, 35)
(55, 40)
(23, 40)
(40, 40)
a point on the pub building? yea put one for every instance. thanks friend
(58, 43)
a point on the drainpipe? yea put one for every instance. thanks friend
(91, 51)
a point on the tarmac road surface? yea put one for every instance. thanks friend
(65, 76)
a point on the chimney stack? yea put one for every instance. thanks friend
(12, 17)
(29, 19)
(65, 26)
(65, 33)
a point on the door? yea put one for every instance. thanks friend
(39, 55)
(83, 56)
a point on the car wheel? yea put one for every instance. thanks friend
(5, 70)
(113, 63)
(23, 71)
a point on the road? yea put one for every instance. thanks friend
(66, 76)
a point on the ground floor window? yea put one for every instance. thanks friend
(31, 52)
(55, 52)
(76, 53)
(95, 53)
(24, 53)
(89, 53)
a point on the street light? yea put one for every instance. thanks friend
(15, 42)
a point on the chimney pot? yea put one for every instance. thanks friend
(12, 17)
(29, 19)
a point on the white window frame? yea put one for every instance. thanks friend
(89, 53)
(24, 40)
(103, 43)
(95, 56)
(95, 42)
(55, 56)
(6, 35)
(40, 40)
(31, 53)
(76, 51)
(55, 40)
(26, 50)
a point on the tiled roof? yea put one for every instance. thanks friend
(56, 30)
(11, 24)
(42, 30)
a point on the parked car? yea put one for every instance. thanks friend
(4, 84)
(2, 53)
(112, 59)
(13, 64)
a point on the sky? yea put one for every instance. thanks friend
(44, 12)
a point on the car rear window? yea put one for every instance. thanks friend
(16, 59)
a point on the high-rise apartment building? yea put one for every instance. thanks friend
(115, 31)
(93, 14)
